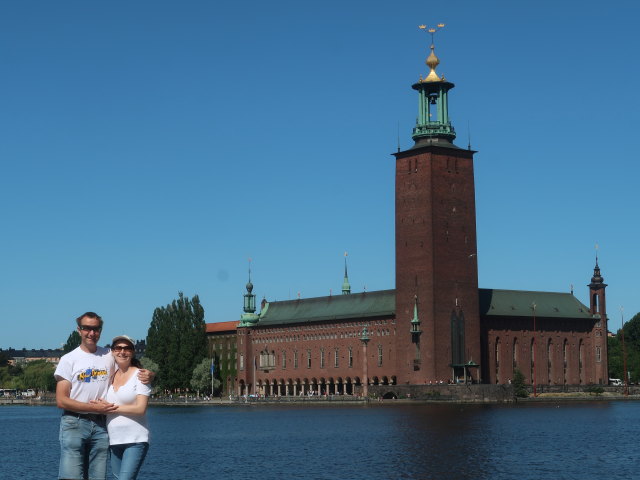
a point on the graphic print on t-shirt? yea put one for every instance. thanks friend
(95, 374)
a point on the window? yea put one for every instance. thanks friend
(241, 361)
(308, 358)
(350, 357)
(267, 359)
(284, 359)
(379, 355)
(497, 357)
(295, 359)
(322, 358)
(598, 355)
(335, 358)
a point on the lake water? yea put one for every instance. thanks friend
(591, 440)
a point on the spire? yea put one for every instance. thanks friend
(432, 62)
(249, 317)
(346, 287)
(597, 278)
(433, 124)
(415, 321)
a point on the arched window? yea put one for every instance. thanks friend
(532, 356)
(580, 360)
(549, 361)
(497, 358)
(565, 360)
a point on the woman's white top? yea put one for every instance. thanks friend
(127, 428)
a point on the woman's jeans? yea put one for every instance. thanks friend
(126, 459)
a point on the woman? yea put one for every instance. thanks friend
(127, 427)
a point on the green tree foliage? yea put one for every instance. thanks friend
(632, 348)
(150, 364)
(4, 359)
(201, 379)
(39, 375)
(72, 342)
(177, 341)
(519, 388)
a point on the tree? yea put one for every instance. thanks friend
(519, 388)
(631, 347)
(201, 379)
(177, 341)
(4, 359)
(39, 375)
(72, 342)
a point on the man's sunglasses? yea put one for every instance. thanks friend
(87, 328)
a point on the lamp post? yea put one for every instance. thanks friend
(364, 338)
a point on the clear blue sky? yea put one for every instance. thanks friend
(151, 147)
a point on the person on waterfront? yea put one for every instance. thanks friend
(127, 426)
(83, 376)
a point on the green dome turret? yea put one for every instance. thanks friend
(433, 123)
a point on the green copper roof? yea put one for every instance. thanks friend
(337, 307)
(508, 303)
(517, 303)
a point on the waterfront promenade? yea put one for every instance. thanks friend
(483, 394)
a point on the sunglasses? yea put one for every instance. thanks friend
(122, 348)
(87, 328)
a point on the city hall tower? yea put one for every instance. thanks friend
(437, 315)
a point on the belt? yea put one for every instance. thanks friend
(94, 417)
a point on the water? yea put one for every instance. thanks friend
(591, 440)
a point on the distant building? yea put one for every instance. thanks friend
(21, 357)
(436, 326)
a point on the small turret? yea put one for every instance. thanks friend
(346, 286)
(249, 318)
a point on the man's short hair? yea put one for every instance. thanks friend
(91, 315)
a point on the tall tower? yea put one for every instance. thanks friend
(598, 308)
(436, 260)
(248, 320)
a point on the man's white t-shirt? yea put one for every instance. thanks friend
(127, 428)
(89, 373)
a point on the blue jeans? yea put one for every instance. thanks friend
(84, 445)
(126, 459)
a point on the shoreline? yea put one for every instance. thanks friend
(356, 401)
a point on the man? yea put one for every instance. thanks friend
(83, 377)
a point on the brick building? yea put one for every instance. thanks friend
(222, 344)
(437, 326)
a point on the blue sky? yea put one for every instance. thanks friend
(152, 147)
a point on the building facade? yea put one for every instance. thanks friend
(436, 326)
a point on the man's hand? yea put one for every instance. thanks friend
(101, 406)
(146, 376)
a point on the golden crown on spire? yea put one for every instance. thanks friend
(432, 61)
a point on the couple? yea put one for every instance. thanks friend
(104, 395)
